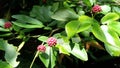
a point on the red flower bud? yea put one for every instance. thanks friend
(96, 9)
(52, 41)
(7, 25)
(41, 48)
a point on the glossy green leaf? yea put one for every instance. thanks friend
(53, 23)
(115, 37)
(5, 34)
(27, 30)
(105, 9)
(42, 13)
(109, 17)
(62, 49)
(49, 57)
(4, 30)
(112, 50)
(83, 27)
(45, 57)
(72, 28)
(10, 53)
(16, 28)
(114, 25)
(116, 9)
(108, 37)
(43, 38)
(113, 41)
(27, 25)
(79, 52)
(2, 21)
(27, 19)
(76, 39)
(98, 33)
(111, 36)
(55, 6)
(53, 58)
(86, 33)
(63, 46)
(85, 23)
(89, 2)
(86, 19)
(65, 15)
(4, 64)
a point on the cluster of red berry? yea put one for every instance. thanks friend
(96, 9)
(51, 42)
(7, 25)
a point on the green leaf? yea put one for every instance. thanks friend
(47, 28)
(10, 53)
(27, 19)
(115, 37)
(16, 28)
(27, 25)
(108, 37)
(98, 33)
(4, 64)
(5, 34)
(83, 27)
(76, 39)
(27, 30)
(64, 15)
(43, 38)
(49, 57)
(116, 9)
(72, 27)
(85, 23)
(86, 19)
(55, 6)
(109, 17)
(4, 30)
(112, 50)
(79, 52)
(114, 25)
(89, 2)
(62, 49)
(111, 36)
(42, 13)
(45, 57)
(113, 42)
(2, 21)
(53, 23)
(105, 9)
(63, 46)
(53, 58)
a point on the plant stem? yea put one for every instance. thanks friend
(34, 59)
(20, 46)
(53, 31)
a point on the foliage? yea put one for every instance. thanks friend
(72, 22)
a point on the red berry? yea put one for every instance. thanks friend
(96, 9)
(41, 48)
(7, 25)
(52, 41)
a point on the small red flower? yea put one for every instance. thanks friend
(7, 25)
(41, 48)
(96, 9)
(52, 41)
